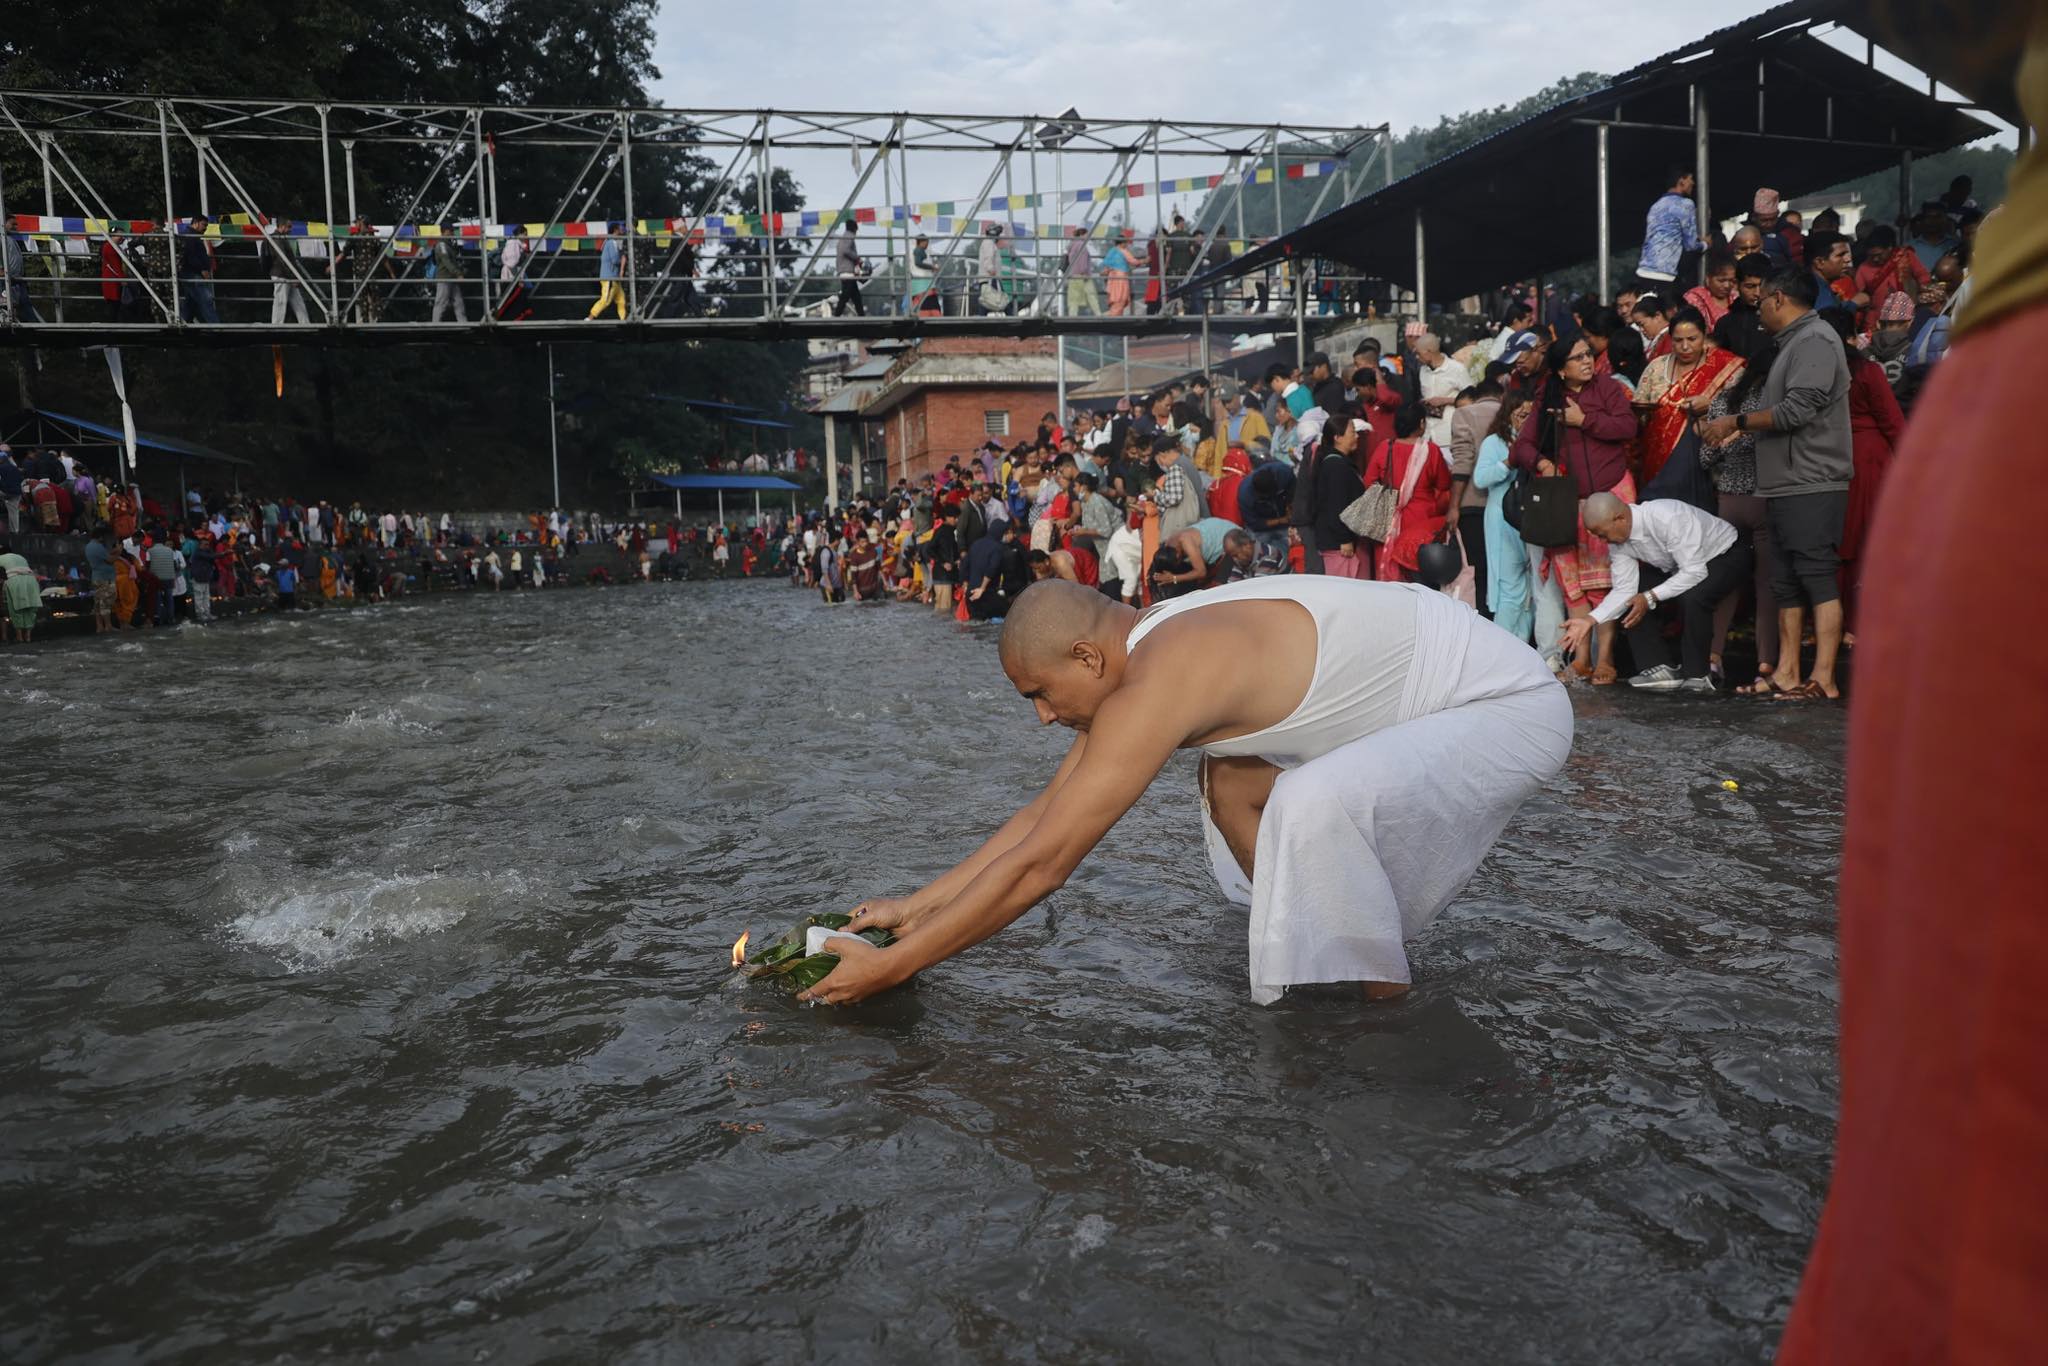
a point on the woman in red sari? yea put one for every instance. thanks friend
(1422, 481)
(1678, 386)
(1875, 426)
(226, 560)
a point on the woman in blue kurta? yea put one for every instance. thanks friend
(1507, 565)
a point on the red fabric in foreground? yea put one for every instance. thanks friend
(1933, 1247)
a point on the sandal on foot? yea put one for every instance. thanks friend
(1606, 675)
(1766, 684)
(1809, 691)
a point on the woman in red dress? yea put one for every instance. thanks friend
(1422, 479)
(1875, 426)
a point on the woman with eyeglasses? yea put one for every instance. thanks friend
(1582, 427)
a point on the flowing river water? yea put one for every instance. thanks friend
(364, 996)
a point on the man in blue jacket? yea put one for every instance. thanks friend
(1671, 231)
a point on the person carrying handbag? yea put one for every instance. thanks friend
(1339, 485)
(1422, 502)
(1581, 429)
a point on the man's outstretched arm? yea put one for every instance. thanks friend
(1133, 736)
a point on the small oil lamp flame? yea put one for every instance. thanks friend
(739, 949)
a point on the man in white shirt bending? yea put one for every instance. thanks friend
(1665, 551)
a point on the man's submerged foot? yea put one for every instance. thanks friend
(1384, 991)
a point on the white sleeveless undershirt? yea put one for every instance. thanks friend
(1385, 653)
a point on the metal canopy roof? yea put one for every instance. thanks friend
(1785, 109)
(723, 483)
(144, 441)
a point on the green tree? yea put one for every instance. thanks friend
(428, 424)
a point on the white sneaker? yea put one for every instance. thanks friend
(1702, 684)
(1663, 678)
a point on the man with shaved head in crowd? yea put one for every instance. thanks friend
(1363, 745)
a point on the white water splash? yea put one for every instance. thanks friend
(315, 927)
(390, 719)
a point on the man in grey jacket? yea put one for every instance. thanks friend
(849, 275)
(1803, 464)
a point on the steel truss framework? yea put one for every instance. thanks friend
(72, 135)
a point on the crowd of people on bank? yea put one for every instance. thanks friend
(1654, 464)
(139, 563)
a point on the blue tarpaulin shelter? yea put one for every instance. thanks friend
(41, 427)
(722, 484)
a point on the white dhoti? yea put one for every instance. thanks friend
(1126, 556)
(1363, 846)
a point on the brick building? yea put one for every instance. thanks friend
(946, 396)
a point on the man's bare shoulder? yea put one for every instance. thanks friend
(1236, 665)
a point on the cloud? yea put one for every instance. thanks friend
(1197, 60)
(1228, 62)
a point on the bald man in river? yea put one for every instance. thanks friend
(1363, 745)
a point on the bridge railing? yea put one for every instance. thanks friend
(238, 208)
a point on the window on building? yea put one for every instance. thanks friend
(994, 423)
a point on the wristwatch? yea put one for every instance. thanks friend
(1650, 596)
(1742, 422)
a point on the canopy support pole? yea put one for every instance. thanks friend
(1421, 274)
(721, 508)
(831, 466)
(1060, 350)
(1301, 313)
(554, 429)
(757, 507)
(679, 505)
(1700, 171)
(1605, 230)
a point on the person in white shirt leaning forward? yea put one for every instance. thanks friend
(1666, 552)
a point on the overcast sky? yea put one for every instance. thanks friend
(1404, 64)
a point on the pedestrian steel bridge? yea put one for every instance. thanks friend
(337, 209)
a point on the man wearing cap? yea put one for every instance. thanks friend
(1889, 341)
(1524, 358)
(1245, 423)
(1519, 318)
(1080, 277)
(1775, 238)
